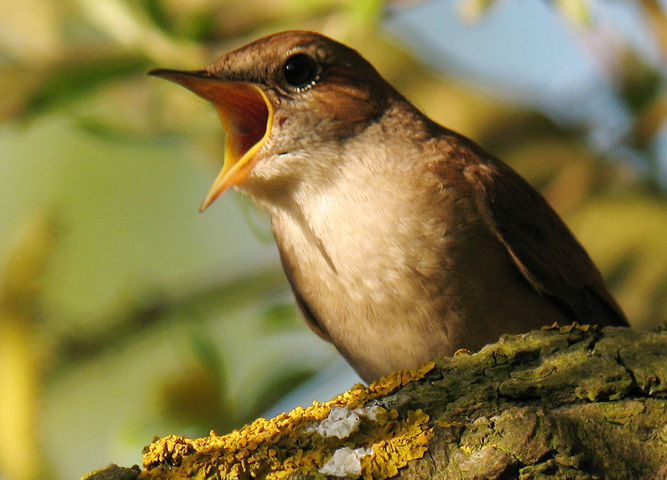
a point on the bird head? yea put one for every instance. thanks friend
(281, 98)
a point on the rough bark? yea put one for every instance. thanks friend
(561, 403)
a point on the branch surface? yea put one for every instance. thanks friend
(569, 403)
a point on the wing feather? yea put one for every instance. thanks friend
(542, 247)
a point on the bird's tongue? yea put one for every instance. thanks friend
(246, 115)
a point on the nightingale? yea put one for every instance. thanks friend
(402, 240)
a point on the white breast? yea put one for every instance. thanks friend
(362, 260)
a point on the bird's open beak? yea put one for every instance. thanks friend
(246, 115)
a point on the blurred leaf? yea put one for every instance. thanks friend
(628, 234)
(472, 10)
(366, 10)
(623, 265)
(192, 20)
(208, 355)
(568, 174)
(276, 387)
(129, 26)
(650, 121)
(23, 275)
(158, 14)
(22, 355)
(657, 303)
(17, 83)
(31, 30)
(576, 12)
(151, 308)
(639, 82)
(654, 12)
(280, 316)
(196, 401)
(66, 82)
(119, 109)
(641, 87)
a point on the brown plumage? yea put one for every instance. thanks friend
(402, 240)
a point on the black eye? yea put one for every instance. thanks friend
(300, 70)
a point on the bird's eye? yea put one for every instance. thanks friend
(300, 71)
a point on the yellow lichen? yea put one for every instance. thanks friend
(576, 326)
(407, 443)
(569, 328)
(467, 449)
(443, 424)
(389, 383)
(272, 449)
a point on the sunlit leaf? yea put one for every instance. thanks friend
(654, 12)
(473, 10)
(22, 355)
(576, 12)
(31, 30)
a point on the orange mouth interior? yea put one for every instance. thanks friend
(246, 115)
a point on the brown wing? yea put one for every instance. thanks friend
(541, 245)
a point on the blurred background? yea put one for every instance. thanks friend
(124, 314)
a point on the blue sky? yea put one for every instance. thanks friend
(526, 52)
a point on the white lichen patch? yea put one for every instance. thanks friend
(345, 462)
(341, 422)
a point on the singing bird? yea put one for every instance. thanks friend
(403, 241)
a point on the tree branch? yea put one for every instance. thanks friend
(570, 402)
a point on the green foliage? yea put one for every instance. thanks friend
(66, 83)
